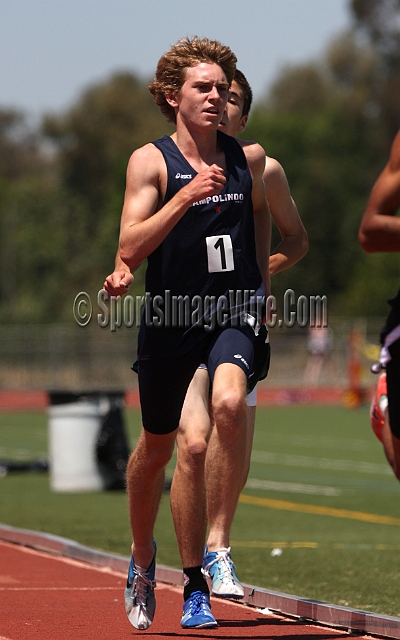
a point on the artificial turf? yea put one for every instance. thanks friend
(320, 492)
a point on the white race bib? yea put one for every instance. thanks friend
(219, 254)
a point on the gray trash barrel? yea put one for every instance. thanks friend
(75, 429)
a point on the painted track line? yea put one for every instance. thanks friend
(263, 599)
(318, 510)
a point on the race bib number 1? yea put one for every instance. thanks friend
(220, 254)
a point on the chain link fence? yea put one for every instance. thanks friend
(73, 358)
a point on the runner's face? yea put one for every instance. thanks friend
(203, 96)
(233, 121)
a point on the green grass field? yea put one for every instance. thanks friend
(319, 489)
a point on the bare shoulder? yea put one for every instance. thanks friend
(147, 156)
(146, 174)
(146, 166)
(387, 186)
(252, 150)
(255, 155)
(273, 168)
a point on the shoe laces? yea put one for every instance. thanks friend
(224, 561)
(140, 587)
(197, 603)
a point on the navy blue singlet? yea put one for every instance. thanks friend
(209, 253)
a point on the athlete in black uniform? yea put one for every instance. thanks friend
(199, 244)
(195, 435)
(380, 231)
(206, 263)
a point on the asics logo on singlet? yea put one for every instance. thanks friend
(186, 176)
(239, 357)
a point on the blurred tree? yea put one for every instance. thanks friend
(299, 89)
(21, 162)
(94, 141)
(329, 122)
(323, 121)
(61, 196)
(97, 136)
(18, 146)
(378, 21)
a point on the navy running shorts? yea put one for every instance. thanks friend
(233, 345)
(262, 358)
(163, 382)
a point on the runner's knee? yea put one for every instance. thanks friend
(192, 445)
(229, 408)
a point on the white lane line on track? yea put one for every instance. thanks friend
(323, 442)
(70, 561)
(290, 460)
(292, 487)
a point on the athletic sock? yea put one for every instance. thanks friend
(193, 581)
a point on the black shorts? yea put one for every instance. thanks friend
(393, 388)
(163, 382)
(393, 366)
(262, 358)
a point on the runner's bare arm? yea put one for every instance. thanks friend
(380, 227)
(119, 281)
(262, 220)
(144, 222)
(294, 243)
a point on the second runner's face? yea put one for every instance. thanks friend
(233, 121)
(202, 99)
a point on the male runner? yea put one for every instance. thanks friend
(195, 424)
(195, 455)
(191, 203)
(380, 231)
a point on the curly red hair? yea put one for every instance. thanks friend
(172, 66)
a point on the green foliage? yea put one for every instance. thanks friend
(325, 123)
(18, 147)
(96, 138)
(329, 122)
(327, 171)
(378, 22)
(374, 281)
(60, 210)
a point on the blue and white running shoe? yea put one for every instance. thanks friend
(218, 566)
(197, 612)
(140, 602)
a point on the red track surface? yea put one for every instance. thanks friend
(31, 400)
(45, 597)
